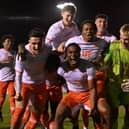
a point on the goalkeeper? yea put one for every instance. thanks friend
(117, 61)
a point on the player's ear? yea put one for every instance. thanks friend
(62, 13)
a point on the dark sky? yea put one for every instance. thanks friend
(18, 16)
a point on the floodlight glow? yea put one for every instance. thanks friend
(61, 6)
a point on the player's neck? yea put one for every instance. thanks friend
(5, 49)
(101, 33)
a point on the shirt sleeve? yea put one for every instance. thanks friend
(18, 82)
(108, 56)
(18, 76)
(90, 73)
(60, 71)
(51, 37)
(18, 64)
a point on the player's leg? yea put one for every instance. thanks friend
(39, 101)
(11, 92)
(3, 89)
(16, 118)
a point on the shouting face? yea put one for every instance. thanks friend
(35, 44)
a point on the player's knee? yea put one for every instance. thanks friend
(62, 112)
(19, 104)
(59, 116)
(103, 106)
(104, 111)
(33, 109)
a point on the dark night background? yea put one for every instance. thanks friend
(19, 16)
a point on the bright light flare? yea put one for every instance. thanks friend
(61, 6)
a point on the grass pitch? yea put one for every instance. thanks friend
(6, 123)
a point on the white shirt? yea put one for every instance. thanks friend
(108, 37)
(6, 68)
(74, 77)
(32, 69)
(58, 33)
(89, 50)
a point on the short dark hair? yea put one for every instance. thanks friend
(36, 32)
(90, 22)
(72, 44)
(101, 15)
(7, 36)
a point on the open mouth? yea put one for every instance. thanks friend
(36, 50)
(89, 35)
(73, 61)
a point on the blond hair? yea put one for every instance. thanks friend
(125, 29)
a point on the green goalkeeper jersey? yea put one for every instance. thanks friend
(118, 61)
